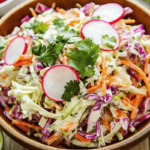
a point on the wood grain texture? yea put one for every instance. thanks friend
(12, 19)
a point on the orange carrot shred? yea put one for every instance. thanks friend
(7, 109)
(129, 21)
(54, 137)
(141, 73)
(24, 128)
(125, 102)
(135, 104)
(75, 12)
(94, 88)
(22, 63)
(68, 127)
(72, 23)
(57, 106)
(81, 138)
(104, 75)
(120, 114)
(58, 142)
(3, 77)
(130, 96)
(33, 12)
(106, 124)
(126, 99)
(61, 11)
(146, 64)
(22, 123)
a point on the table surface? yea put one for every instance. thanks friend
(12, 145)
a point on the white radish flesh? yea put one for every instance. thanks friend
(55, 79)
(95, 29)
(110, 12)
(15, 48)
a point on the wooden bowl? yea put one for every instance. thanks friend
(12, 19)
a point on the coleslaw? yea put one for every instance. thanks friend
(100, 94)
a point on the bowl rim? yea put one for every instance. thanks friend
(26, 140)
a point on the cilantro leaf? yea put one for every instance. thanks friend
(109, 41)
(71, 89)
(41, 27)
(2, 44)
(48, 55)
(95, 17)
(37, 26)
(58, 22)
(84, 57)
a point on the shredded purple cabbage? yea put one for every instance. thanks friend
(25, 19)
(128, 11)
(39, 65)
(16, 113)
(2, 102)
(40, 8)
(88, 8)
(45, 132)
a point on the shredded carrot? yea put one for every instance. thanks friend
(135, 104)
(129, 21)
(133, 81)
(58, 142)
(73, 11)
(26, 57)
(94, 88)
(54, 137)
(22, 63)
(22, 123)
(141, 73)
(126, 99)
(118, 84)
(111, 79)
(125, 102)
(81, 138)
(57, 106)
(60, 10)
(146, 64)
(72, 23)
(7, 109)
(3, 77)
(104, 75)
(53, 5)
(69, 126)
(24, 128)
(33, 12)
(130, 96)
(106, 124)
(120, 114)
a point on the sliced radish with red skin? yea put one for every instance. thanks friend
(110, 12)
(55, 80)
(15, 48)
(95, 29)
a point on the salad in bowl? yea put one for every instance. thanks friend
(77, 77)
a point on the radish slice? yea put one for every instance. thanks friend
(55, 80)
(110, 12)
(95, 29)
(15, 48)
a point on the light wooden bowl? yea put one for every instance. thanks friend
(12, 19)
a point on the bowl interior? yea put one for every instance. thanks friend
(12, 19)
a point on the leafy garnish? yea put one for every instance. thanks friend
(40, 28)
(2, 44)
(71, 89)
(84, 57)
(49, 54)
(58, 22)
(109, 41)
(95, 17)
(37, 26)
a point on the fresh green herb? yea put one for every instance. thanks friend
(37, 26)
(84, 57)
(109, 41)
(95, 17)
(71, 89)
(40, 28)
(58, 22)
(48, 55)
(2, 44)
(74, 39)
(148, 1)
